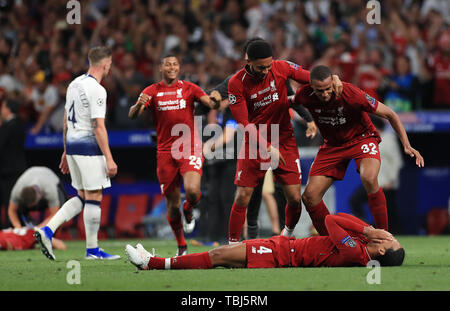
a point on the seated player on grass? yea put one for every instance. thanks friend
(351, 242)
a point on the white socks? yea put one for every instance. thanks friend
(70, 209)
(91, 217)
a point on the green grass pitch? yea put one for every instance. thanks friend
(426, 268)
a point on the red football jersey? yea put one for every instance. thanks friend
(174, 106)
(264, 101)
(344, 120)
(345, 245)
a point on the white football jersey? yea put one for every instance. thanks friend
(85, 100)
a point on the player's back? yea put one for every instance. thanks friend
(85, 100)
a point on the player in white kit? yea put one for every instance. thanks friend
(87, 156)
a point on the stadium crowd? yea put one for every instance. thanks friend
(403, 61)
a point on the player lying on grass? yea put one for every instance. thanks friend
(351, 242)
(14, 239)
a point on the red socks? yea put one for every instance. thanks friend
(318, 214)
(177, 228)
(189, 205)
(237, 220)
(293, 213)
(378, 208)
(190, 261)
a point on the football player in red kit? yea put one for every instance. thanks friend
(17, 238)
(350, 242)
(259, 104)
(179, 147)
(348, 133)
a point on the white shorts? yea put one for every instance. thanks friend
(88, 172)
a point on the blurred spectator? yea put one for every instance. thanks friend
(208, 36)
(45, 98)
(371, 72)
(400, 90)
(439, 64)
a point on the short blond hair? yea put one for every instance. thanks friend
(98, 53)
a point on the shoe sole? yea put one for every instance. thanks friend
(97, 258)
(44, 249)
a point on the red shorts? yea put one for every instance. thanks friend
(17, 239)
(274, 252)
(171, 171)
(249, 172)
(333, 161)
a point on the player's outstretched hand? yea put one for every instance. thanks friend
(111, 167)
(414, 153)
(63, 166)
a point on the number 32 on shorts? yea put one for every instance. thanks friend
(370, 148)
(196, 162)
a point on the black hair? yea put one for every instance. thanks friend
(391, 257)
(320, 73)
(169, 54)
(251, 40)
(259, 49)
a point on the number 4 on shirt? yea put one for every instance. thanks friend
(261, 250)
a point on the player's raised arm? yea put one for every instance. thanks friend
(393, 118)
(137, 109)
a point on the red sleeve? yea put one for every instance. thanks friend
(353, 218)
(149, 91)
(338, 229)
(238, 107)
(295, 72)
(197, 91)
(357, 97)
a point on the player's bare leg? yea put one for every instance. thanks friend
(173, 202)
(316, 188)
(293, 207)
(191, 182)
(368, 170)
(232, 256)
(238, 213)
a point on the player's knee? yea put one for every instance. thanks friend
(243, 198)
(308, 198)
(370, 181)
(294, 199)
(216, 256)
(192, 193)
